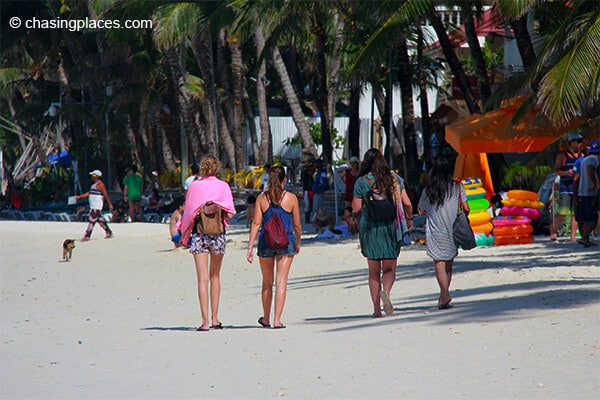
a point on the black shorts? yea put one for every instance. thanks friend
(587, 210)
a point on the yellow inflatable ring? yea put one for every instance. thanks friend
(478, 218)
(472, 183)
(483, 228)
(475, 193)
(526, 195)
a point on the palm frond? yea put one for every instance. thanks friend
(513, 9)
(574, 80)
(173, 22)
(194, 85)
(396, 25)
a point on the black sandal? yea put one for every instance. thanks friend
(262, 323)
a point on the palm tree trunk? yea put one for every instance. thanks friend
(224, 106)
(184, 106)
(477, 57)
(335, 66)
(292, 99)
(524, 43)
(422, 75)
(238, 98)
(408, 114)
(453, 62)
(249, 113)
(202, 49)
(321, 96)
(265, 153)
(354, 123)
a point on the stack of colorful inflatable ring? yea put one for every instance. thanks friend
(479, 218)
(514, 226)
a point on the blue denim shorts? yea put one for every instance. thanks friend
(266, 252)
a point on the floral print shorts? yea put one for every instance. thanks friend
(202, 243)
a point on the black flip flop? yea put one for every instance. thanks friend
(278, 326)
(446, 306)
(262, 323)
(220, 326)
(201, 329)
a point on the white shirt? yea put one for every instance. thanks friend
(188, 181)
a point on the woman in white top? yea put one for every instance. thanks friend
(96, 197)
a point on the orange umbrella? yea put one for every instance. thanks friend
(494, 132)
(475, 166)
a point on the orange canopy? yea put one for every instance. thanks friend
(494, 132)
(475, 166)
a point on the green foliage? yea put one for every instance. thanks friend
(169, 179)
(49, 186)
(492, 59)
(315, 132)
(278, 160)
(519, 176)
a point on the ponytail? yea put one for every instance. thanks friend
(276, 177)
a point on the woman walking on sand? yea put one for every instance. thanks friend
(439, 202)
(96, 196)
(208, 202)
(275, 264)
(378, 240)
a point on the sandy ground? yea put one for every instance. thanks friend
(118, 322)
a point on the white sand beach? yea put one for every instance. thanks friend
(118, 322)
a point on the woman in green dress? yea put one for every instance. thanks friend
(378, 239)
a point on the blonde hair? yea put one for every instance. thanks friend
(210, 166)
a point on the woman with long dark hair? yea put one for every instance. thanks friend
(378, 240)
(439, 202)
(275, 264)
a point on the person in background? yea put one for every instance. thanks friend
(175, 221)
(349, 176)
(208, 249)
(323, 221)
(250, 212)
(264, 178)
(134, 187)
(440, 202)
(320, 186)
(154, 198)
(275, 264)
(589, 189)
(563, 166)
(378, 241)
(195, 174)
(96, 196)
(349, 220)
(118, 214)
(307, 183)
(406, 203)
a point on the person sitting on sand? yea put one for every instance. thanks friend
(323, 221)
(349, 220)
(175, 221)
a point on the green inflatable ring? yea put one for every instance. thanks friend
(476, 205)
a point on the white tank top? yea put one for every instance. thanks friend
(96, 199)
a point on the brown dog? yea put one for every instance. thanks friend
(68, 246)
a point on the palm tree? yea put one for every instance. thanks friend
(565, 75)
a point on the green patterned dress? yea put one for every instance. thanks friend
(377, 238)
